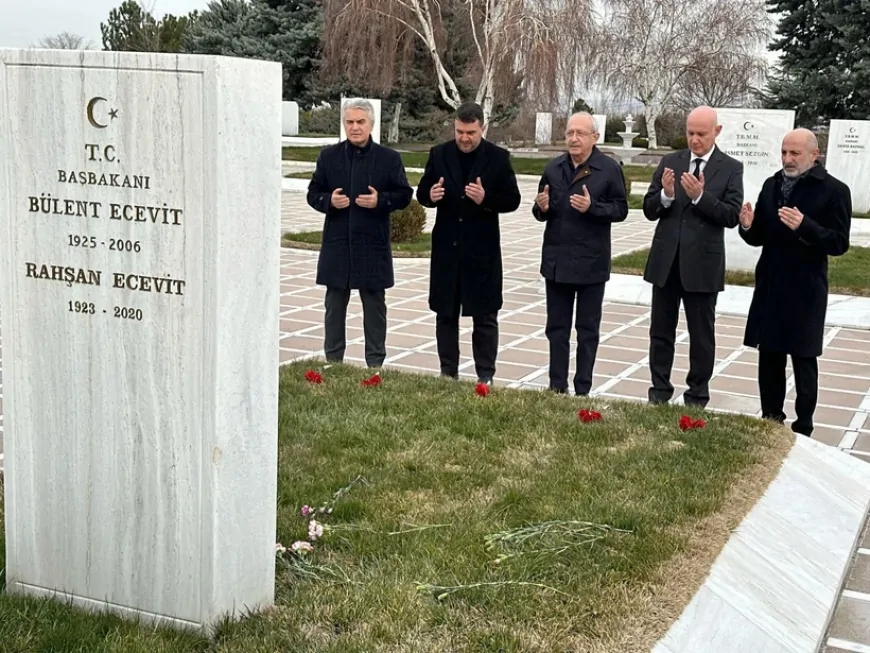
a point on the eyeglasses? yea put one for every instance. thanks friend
(568, 134)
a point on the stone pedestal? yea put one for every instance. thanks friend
(140, 199)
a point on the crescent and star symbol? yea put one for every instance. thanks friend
(113, 113)
(748, 125)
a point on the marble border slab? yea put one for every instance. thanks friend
(776, 582)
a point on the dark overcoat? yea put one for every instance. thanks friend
(696, 230)
(576, 247)
(355, 247)
(466, 257)
(790, 300)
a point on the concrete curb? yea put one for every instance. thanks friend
(774, 586)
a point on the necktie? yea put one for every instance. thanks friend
(697, 170)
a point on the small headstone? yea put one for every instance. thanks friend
(140, 205)
(848, 159)
(753, 136)
(290, 119)
(601, 120)
(543, 128)
(376, 131)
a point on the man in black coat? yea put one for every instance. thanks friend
(580, 194)
(470, 181)
(803, 216)
(695, 195)
(357, 184)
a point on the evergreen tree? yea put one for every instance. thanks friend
(286, 31)
(132, 28)
(825, 68)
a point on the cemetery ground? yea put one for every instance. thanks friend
(470, 523)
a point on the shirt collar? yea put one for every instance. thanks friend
(705, 158)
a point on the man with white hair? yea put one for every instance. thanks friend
(580, 195)
(803, 215)
(695, 195)
(357, 184)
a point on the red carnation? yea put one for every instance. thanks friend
(586, 415)
(372, 381)
(687, 423)
(313, 377)
(481, 389)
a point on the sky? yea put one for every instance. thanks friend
(24, 22)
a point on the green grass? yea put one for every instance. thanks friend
(522, 165)
(413, 177)
(419, 247)
(847, 274)
(444, 471)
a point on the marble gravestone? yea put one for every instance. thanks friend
(753, 136)
(543, 128)
(376, 130)
(140, 199)
(601, 123)
(848, 158)
(290, 119)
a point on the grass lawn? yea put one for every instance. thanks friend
(522, 165)
(413, 177)
(418, 248)
(468, 523)
(847, 274)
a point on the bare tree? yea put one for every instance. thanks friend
(729, 79)
(540, 41)
(65, 41)
(651, 48)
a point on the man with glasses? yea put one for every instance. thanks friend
(580, 194)
(695, 195)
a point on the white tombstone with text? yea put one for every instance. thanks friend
(543, 128)
(753, 136)
(848, 159)
(140, 200)
(376, 130)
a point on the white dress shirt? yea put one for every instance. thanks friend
(666, 201)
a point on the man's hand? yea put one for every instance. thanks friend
(692, 185)
(747, 215)
(791, 217)
(475, 191)
(368, 201)
(339, 199)
(581, 202)
(668, 181)
(543, 199)
(436, 193)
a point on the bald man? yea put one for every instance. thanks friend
(803, 215)
(695, 195)
(580, 194)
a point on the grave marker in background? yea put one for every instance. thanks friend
(848, 159)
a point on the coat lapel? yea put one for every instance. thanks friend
(480, 162)
(454, 170)
(713, 165)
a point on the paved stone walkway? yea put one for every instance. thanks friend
(621, 372)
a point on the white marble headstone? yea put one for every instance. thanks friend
(543, 128)
(601, 120)
(753, 136)
(140, 201)
(848, 159)
(376, 130)
(290, 120)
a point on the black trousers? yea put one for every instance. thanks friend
(484, 341)
(587, 322)
(771, 387)
(374, 325)
(700, 311)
